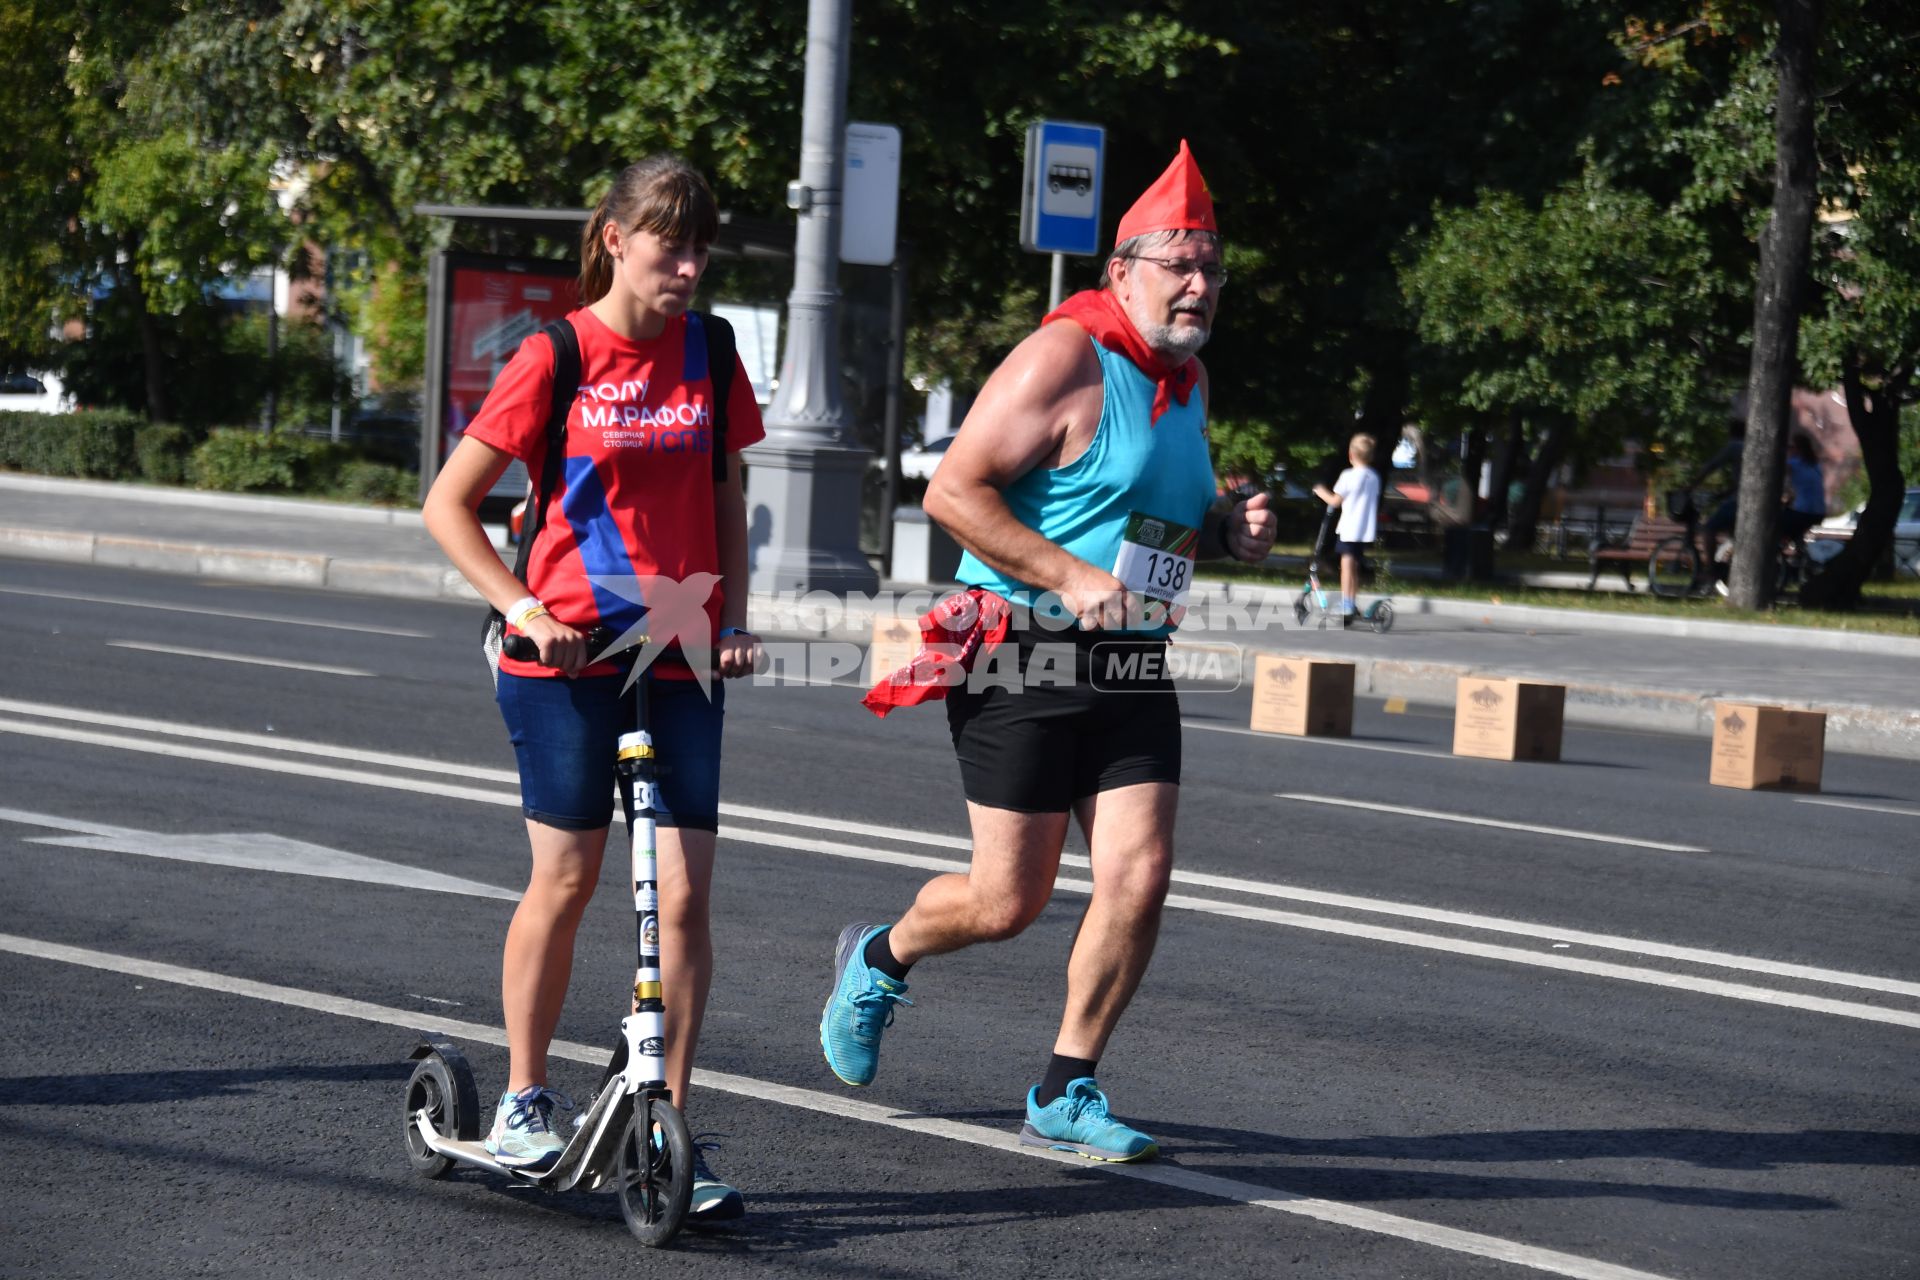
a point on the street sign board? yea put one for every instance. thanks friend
(870, 204)
(1060, 198)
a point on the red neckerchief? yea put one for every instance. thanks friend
(953, 635)
(1101, 315)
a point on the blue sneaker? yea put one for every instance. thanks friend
(1077, 1121)
(523, 1135)
(859, 1009)
(713, 1200)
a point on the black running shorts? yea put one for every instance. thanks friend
(1039, 742)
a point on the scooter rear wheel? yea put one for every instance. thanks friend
(445, 1091)
(654, 1174)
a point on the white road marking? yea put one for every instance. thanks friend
(1855, 804)
(1323, 742)
(417, 764)
(182, 652)
(253, 852)
(300, 769)
(1172, 1176)
(1399, 937)
(264, 741)
(787, 840)
(1440, 815)
(218, 613)
(813, 822)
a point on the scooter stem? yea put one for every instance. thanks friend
(646, 1028)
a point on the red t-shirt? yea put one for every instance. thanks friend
(634, 497)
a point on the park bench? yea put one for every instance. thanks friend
(1642, 537)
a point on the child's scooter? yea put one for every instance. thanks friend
(1313, 600)
(631, 1135)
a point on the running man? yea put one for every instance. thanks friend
(1080, 482)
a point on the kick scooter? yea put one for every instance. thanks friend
(631, 1135)
(1313, 600)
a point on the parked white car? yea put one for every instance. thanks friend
(918, 464)
(1825, 539)
(33, 393)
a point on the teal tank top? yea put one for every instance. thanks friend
(1159, 468)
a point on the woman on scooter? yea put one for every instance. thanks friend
(636, 507)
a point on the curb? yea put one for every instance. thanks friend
(1826, 639)
(271, 568)
(162, 495)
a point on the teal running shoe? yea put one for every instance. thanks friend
(859, 1009)
(524, 1135)
(713, 1200)
(1077, 1121)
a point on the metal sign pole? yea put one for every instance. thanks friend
(1058, 288)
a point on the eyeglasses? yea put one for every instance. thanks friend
(1186, 267)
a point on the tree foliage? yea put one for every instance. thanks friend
(1525, 216)
(1595, 306)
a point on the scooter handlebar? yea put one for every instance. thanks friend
(523, 649)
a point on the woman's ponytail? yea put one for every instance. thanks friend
(596, 264)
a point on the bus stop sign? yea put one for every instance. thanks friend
(1060, 204)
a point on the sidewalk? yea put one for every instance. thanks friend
(1651, 673)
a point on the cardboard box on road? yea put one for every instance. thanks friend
(895, 641)
(1756, 747)
(1508, 719)
(1302, 696)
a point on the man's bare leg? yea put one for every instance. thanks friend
(1015, 858)
(1130, 833)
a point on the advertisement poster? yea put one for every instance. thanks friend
(494, 305)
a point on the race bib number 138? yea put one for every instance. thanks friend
(1156, 559)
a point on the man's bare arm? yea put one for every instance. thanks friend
(1039, 409)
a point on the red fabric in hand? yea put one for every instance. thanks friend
(953, 635)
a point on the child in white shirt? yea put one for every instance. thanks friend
(1357, 494)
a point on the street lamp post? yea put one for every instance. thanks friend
(804, 479)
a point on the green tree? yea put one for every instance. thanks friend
(1719, 93)
(1583, 318)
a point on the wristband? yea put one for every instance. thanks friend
(726, 632)
(522, 610)
(1226, 547)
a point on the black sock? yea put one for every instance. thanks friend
(880, 956)
(1061, 1072)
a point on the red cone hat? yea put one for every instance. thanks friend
(1178, 201)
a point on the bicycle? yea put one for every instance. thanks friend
(1683, 567)
(632, 1134)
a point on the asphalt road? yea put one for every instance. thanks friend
(1411, 1015)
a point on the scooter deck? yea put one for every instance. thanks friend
(576, 1167)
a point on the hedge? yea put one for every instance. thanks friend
(112, 444)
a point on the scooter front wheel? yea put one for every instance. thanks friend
(1381, 615)
(1300, 609)
(445, 1091)
(654, 1174)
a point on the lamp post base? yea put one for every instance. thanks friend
(803, 519)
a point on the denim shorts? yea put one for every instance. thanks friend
(565, 734)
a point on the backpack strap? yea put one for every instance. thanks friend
(720, 367)
(566, 387)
